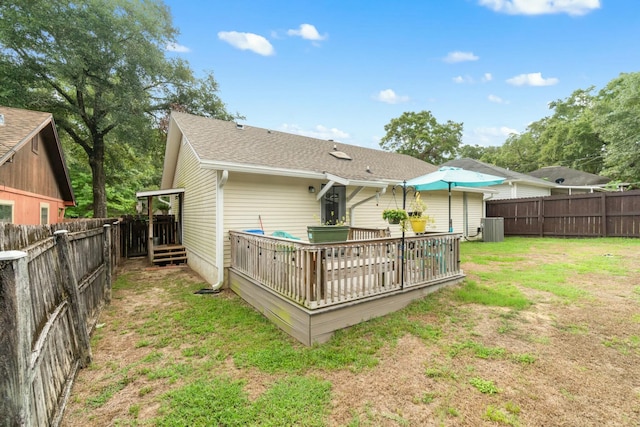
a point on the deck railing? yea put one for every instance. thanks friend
(321, 275)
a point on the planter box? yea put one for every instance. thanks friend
(328, 233)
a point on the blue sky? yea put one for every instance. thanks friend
(343, 69)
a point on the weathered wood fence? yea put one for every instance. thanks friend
(54, 280)
(615, 214)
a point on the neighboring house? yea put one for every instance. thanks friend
(571, 181)
(34, 181)
(238, 177)
(516, 185)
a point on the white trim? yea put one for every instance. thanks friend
(48, 208)
(11, 203)
(152, 193)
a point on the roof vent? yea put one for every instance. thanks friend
(1, 119)
(559, 180)
(239, 126)
(340, 155)
(369, 169)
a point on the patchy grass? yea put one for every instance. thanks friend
(554, 319)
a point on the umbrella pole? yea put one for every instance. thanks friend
(450, 220)
(404, 204)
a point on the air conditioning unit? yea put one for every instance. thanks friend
(492, 229)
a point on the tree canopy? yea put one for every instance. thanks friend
(100, 67)
(420, 135)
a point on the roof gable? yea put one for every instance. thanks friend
(19, 126)
(224, 142)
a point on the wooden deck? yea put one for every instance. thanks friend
(311, 290)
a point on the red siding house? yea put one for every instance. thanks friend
(34, 181)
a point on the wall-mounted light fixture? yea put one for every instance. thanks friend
(312, 189)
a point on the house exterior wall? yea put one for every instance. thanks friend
(28, 183)
(198, 216)
(518, 190)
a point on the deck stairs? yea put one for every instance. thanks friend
(169, 254)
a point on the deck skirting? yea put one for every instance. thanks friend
(318, 325)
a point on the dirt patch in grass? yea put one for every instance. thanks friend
(557, 362)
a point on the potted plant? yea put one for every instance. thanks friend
(395, 216)
(417, 217)
(331, 231)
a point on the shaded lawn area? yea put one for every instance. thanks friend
(542, 332)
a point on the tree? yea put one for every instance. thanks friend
(99, 67)
(471, 151)
(617, 120)
(420, 135)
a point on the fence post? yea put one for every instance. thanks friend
(603, 206)
(106, 257)
(77, 306)
(15, 340)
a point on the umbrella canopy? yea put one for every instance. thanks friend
(448, 177)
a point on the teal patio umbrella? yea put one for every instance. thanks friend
(448, 177)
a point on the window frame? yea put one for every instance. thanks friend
(11, 204)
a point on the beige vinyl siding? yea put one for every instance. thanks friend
(525, 190)
(504, 191)
(518, 190)
(283, 204)
(199, 231)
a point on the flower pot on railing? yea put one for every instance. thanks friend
(328, 233)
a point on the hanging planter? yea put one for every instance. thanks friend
(394, 216)
(418, 224)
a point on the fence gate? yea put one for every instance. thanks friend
(134, 233)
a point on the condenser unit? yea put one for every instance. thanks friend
(492, 229)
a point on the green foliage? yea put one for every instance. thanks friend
(500, 295)
(420, 135)
(292, 401)
(104, 78)
(617, 121)
(484, 386)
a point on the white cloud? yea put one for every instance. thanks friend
(453, 57)
(532, 79)
(487, 136)
(175, 47)
(487, 77)
(319, 131)
(542, 7)
(247, 41)
(390, 97)
(307, 32)
(462, 79)
(497, 99)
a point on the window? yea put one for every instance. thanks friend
(6, 211)
(334, 205)
(44, 213)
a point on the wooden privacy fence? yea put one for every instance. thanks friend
(615, 214)
(54, 280)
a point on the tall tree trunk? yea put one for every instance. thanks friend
(96, 160)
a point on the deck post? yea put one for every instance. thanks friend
(150, 233)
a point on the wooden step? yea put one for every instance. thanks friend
(169, 254)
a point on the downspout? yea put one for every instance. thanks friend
(375, 196)
(223, 176)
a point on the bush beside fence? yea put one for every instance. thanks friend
(54, 280)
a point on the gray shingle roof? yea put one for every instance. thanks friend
(19, 125)
(569, 176)
(478, 166)
(223, 141)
